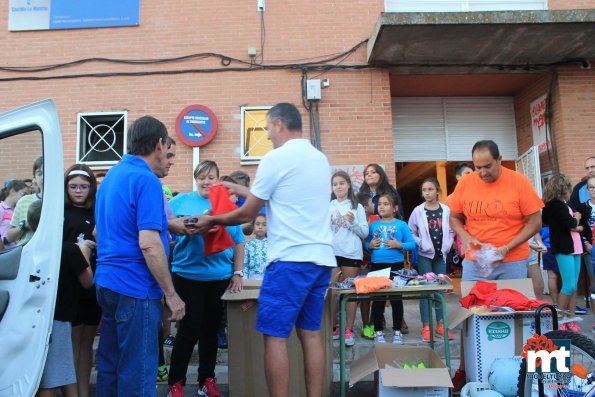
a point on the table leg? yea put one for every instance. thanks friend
(440, 297)
(430, 298)
(343, 324)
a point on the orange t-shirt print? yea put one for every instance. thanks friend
(495, 211)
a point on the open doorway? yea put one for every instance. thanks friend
(410, 175)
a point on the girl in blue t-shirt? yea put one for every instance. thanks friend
(387, 240)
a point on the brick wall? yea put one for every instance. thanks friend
(573, 124)
(355, 114)
(577, 110)
(17, 155)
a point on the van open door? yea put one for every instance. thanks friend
(30, 267)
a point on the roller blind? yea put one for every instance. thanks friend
(438, 129)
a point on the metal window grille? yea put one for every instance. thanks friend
(101, 138)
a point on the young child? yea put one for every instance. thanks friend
(255, 250)
(565, 241)
(349, 227)
(430, 226)
(387, 240)
(537, 249)
(59, 371)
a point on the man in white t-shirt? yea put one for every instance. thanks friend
(294, 180)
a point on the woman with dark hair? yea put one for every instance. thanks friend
(80, 188)
(376, 184)
(9, 196)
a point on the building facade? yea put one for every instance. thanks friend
(409, 88)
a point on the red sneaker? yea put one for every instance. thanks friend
(459, 380)
(572, 326)
(209, 388)
(425, 333)
(440, 332)
(176, 390)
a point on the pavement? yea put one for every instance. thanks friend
(364, 388)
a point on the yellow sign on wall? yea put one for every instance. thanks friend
(255, 140)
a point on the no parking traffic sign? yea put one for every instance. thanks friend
(196, 125)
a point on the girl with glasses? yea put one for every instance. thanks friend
(80, 187)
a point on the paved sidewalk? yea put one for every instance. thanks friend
(361, 347)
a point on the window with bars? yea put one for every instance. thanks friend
(101, 138)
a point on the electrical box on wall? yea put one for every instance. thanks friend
(260, 5)
(313, 91)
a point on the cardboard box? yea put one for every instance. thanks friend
(489, 336)
(246, 347)
(394, 381)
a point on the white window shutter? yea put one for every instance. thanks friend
(436, 129)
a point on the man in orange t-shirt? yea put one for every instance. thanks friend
(498, 206)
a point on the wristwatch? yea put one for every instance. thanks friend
(22, 224)
(239, 273)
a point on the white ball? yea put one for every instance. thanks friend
(504, 374)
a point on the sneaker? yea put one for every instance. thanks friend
(397, 338)
(336, 335)
(440, 332)
(379, 337)
(593, 328)
(162, 374)
(563, 327)
(209, 388)
(425, 333)
(169, 341)
(572, 326)
(459, 380)
(176, 390)
(349, 338)
(368, 331)
(581, 311)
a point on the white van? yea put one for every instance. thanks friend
(29, 272)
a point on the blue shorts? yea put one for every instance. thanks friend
(549, 262)
(292, 294)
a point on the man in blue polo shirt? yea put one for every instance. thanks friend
(132, 271)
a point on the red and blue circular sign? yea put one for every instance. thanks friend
(196, 125)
